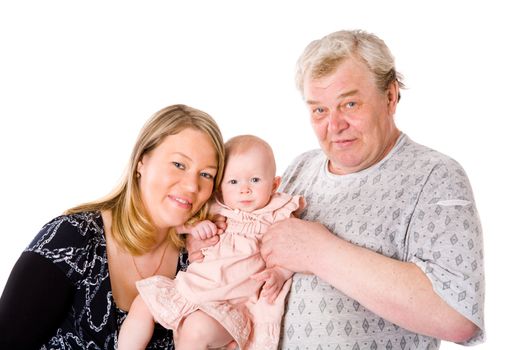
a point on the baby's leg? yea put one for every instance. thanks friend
(199, 331)
(137, 329)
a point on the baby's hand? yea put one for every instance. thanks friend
(273, 278)
(220, 222)
(204, 229)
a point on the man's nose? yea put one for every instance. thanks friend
(337, 121)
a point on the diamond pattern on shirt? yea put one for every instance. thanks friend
(415, 205)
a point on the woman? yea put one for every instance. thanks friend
(72, 287)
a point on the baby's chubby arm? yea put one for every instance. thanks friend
(204, 229)
(275, 276)
(195, 243)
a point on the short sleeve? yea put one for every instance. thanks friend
(295, 203)
(445, 241)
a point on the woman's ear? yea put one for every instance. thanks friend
(139, 169)
(276, 183)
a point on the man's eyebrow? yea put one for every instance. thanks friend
(348, 93)
(341, 96)
(312, 102)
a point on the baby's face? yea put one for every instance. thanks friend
(249, 180)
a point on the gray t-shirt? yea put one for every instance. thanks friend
(415, 205)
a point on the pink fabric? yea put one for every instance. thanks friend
(220, 285)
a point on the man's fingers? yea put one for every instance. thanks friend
(232, 345)
(260, 276)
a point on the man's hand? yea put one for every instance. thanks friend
(294, 244)
(273, 278)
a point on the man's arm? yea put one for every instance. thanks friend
(397, 291)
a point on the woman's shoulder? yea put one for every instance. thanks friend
(69, 231)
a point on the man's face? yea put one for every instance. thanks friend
(352, 118)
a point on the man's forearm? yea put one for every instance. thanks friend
(397, 291)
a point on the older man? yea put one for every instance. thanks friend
(389, 249)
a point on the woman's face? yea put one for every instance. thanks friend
(176, 178)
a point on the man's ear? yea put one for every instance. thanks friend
(393, 97)
(276, 183)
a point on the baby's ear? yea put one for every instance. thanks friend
(276, 183)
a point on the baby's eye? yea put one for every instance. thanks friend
(179, 165)
(255, 179)
(232, 182)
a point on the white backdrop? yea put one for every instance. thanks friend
(78, 80)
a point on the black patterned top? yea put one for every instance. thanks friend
(76, 245)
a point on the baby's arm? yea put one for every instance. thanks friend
(273, 278)
(194, 245)
(137, 329)
(202, 230)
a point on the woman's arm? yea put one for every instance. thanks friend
(34, 302)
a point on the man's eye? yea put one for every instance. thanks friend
(350, 104)
(318, 113)
(255, 179)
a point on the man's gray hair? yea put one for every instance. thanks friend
(322, 57)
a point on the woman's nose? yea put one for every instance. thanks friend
(190, 183)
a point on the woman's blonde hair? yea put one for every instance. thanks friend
(131, 225)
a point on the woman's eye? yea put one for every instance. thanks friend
(178, 165)
(207, 176)
(255, 179)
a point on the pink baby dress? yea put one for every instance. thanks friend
(220, 284)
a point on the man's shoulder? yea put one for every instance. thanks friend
(310, 156)
(424, 157)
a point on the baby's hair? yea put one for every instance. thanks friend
(241, 143)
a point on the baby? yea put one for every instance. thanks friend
(230, 294)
